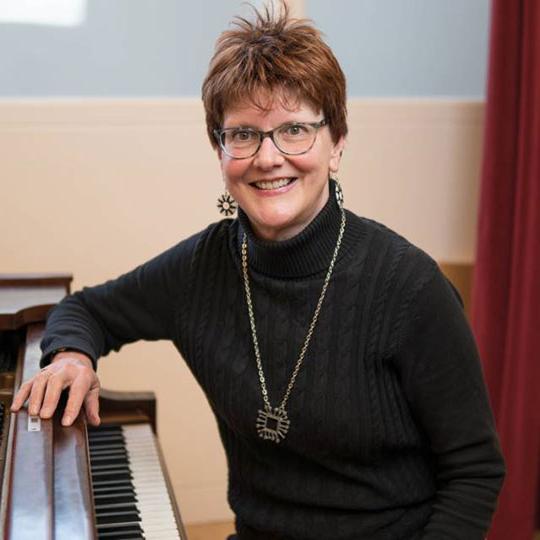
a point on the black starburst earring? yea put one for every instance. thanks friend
(226, 204)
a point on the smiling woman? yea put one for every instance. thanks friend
(284, 97)
(334, 354)
(283, 184)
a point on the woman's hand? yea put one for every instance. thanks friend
(68, 369)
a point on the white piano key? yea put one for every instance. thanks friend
(157, 516)
(153, 502)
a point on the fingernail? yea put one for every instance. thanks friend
(66, 421)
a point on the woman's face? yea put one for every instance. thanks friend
(278, 213)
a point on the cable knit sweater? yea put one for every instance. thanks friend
(391, 433)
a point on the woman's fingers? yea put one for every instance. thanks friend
(44, 389)
(77, 393)
(54, 389)
(21, 396)
(39, 385)
(91, 406)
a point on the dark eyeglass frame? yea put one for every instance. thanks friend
(219, 133)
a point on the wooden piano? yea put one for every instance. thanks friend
(74, 483)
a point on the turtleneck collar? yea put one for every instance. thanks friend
(307, 253)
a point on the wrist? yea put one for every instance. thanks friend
(65, 352)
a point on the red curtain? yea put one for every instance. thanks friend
(506, 291)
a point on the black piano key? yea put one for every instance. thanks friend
(126, 491)
(107, 452)
(120, 524)
(114, 446)
(101, 434)
(109, 487)
(102, 487)
(107, 476)
(122, 529)
(107, 430)
(124, 506)
(97, 469)
(100, 430)
(110, 462)
(113, 498)
(103, 429)
(130, 536)
(120, 535)
(101, 449)
(121, 532)
(103, 507)
(106, 440)
(121, 497)
(121, 466)
(112, 474)
(116, 457)
(97, 435)
(127, 518)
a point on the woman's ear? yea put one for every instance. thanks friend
(335, 156)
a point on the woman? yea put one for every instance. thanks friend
(335, 356)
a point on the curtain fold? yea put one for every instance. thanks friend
(506, 290)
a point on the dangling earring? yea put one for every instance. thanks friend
(226, 204)
(339, 191)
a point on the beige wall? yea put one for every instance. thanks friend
(95, 187)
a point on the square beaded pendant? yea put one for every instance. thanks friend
(273, 425)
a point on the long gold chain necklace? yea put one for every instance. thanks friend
(273, 422)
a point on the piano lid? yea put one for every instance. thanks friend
(26, 299)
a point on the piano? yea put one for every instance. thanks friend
(77, 482)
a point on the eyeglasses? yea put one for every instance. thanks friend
(293, 139)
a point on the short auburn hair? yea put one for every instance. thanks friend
(274, 55)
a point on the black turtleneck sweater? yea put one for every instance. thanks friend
(391, 434)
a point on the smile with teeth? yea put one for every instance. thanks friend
(274, 184)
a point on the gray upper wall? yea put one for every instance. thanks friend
(122, 48)
(131, 48)
(408, 47)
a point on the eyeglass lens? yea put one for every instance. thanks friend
(289, 138)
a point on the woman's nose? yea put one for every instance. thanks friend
(268, 155)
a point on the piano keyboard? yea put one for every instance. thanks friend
(130, 493)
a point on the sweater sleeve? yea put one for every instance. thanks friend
(443, 381)
(140, 304)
